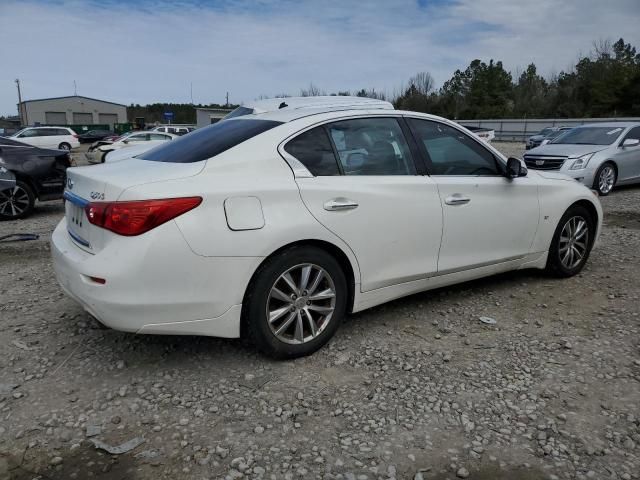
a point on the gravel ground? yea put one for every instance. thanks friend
(416, 389)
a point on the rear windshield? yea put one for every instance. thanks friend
(208, 142)
(590, 136)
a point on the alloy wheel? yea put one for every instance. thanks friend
(574, 241)
(14, 201)
(301, 303)
(606, 179)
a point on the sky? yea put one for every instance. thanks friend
(143, 51)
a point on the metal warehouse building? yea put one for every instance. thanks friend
(73, 110)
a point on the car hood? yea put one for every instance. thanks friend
(566, 150)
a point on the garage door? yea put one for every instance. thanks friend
(82, 118)
(107, 119)
(55, 118)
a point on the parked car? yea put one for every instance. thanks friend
(39, 175)
(555, 134)
(62, 138)
(274, 226)
(174, 129)
(600, 155)
(486, 134)
(535, 140)
(294, 103)
(130, 152)
(94, 135)
(98, 151)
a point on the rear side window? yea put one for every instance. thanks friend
(313, 149)
(208, 142)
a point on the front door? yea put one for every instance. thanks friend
(628, 158)
(488, 218)
(366, 191)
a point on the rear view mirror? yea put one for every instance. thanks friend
(515, 168)
(631, 142)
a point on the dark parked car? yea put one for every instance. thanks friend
(94, 135)
(40, 175)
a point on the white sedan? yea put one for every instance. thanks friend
(274, 226)
(99, 151)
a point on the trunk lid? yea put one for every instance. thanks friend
(105, 183)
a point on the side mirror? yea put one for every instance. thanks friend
(515, 168)
(631, 142)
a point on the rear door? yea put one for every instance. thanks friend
(487, 218)
(364, 188)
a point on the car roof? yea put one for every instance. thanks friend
(328, 101)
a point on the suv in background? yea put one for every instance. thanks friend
(536, 140)
(61, 138)
(174, 129)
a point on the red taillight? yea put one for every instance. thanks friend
(140, 216)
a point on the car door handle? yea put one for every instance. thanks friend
(457, 199)
(337, 204)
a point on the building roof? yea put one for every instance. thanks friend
(73, 96)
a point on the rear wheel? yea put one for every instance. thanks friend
(16, 202)
(572, 242)
(64, 146)
(605, 178)
(296, 303)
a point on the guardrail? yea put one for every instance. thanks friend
(518, 129)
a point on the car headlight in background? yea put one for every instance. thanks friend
(581, 162)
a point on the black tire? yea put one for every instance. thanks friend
(596, 179)
(64, 146)
(103, 158)
(555, 264)
(17, 202)
(256, 326)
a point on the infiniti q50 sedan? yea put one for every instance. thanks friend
(274, 226)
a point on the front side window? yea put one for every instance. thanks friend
(634, 134)
(371, 146)
(313, 149)
(159, 136)
(452, 152)
(138, 138)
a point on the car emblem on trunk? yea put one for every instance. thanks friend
(539, 163)
(69, 184)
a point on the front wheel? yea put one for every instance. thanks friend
(605, 178)
(571, 243)
(296, 303)
(16, 202)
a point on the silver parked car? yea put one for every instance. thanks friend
(599, 155)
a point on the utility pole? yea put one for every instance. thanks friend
(227, 104)
(191, 91)
(22, 113)
(75, 89)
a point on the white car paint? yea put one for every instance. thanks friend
(47, 137)
(130, 151)
(190, 274)
(145, 140)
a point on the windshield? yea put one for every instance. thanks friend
(208, 142)
(18, 132)
(590, 136)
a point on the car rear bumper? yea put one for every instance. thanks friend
(161, 289)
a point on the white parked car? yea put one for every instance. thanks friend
(274, 226)
(174, 129)
(97, 153)
(61, 138)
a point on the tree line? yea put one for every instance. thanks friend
(604, 83)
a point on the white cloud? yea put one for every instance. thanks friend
(145, 53)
